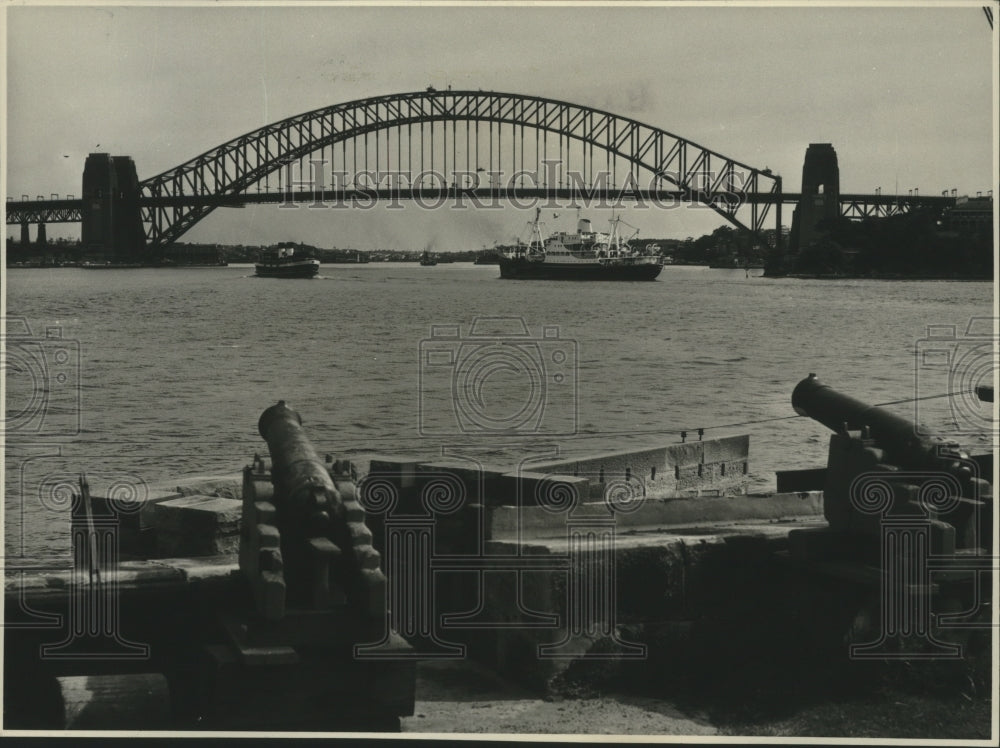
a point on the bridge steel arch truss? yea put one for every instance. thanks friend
(513, 140)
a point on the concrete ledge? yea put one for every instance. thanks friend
(131, 576)
(715, 466)
(529, 489)
(226, 485)
(525, 523)
(466, 480)
(666, 470)
(399, 470)
(716, 572)
(132, 503)
(197, 526)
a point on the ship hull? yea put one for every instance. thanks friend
(528, 270)
(297, 269)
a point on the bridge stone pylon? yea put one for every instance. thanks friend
(112, 222)
(820, 197)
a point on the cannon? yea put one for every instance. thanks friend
(311, 504)
(316, 595)
(309, 511)
(901, 442)
(874, 452)
(304, 543)
(903, 568)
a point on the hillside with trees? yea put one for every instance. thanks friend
(906, 246)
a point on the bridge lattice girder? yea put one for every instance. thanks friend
(861, 209)
(653, 158)
(47, 211)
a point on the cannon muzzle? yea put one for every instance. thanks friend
(299, 475)
(900, 439)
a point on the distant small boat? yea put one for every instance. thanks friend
(284, 263)
(427, 260)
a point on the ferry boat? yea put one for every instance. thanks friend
(284, 263)
(584, 255)
(427, 259)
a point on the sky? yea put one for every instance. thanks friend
(904, 93)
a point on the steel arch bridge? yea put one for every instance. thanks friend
(521, 144)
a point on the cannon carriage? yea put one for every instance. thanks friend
(909, 536)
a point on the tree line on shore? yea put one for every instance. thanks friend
(909, 245)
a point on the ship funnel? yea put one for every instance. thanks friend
(583, 226)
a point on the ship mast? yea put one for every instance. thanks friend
(535, 234)
(614, 240)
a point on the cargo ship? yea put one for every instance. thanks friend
(584, 255)
(282, 262)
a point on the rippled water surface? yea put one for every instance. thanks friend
(175, 366)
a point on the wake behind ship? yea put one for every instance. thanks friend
(585, 255)
(284, 263)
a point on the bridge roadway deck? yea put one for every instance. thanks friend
(69, 211)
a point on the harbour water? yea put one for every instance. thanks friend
(163, 373)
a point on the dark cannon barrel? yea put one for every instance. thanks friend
(298, 472)
(900, 439)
